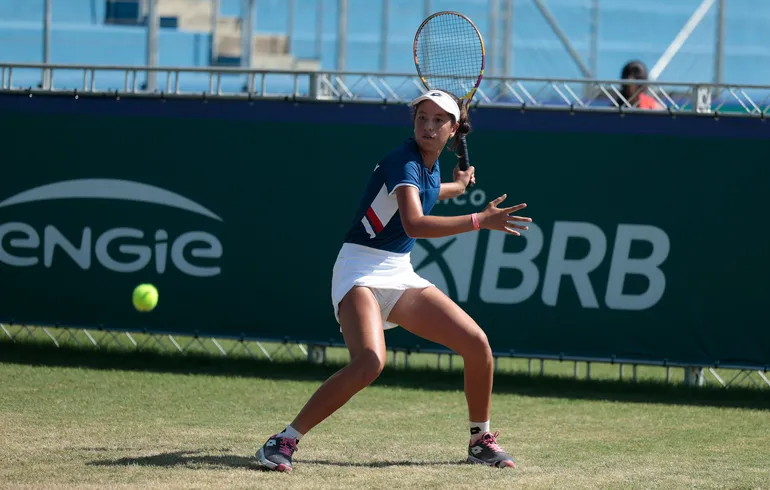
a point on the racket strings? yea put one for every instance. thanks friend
(449, 54)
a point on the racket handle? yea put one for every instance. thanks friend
(462, 151)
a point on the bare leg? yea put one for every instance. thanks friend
(361, 323)
(430, 314)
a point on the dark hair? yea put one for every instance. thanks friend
(465, 122)
(634, 70)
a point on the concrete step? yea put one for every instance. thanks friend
(192, 15)
(229, 43)
(270, 51)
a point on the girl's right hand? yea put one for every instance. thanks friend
(494, 218)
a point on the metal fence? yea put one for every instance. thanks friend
(288, 350)
(518, 93)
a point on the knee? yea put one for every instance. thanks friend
(476, 346)
(368, 366)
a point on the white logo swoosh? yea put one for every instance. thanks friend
(125, 190)
(448, 263)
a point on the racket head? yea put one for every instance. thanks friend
(449, 54)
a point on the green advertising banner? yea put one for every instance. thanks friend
(648, 240)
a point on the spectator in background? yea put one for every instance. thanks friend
(636, 94)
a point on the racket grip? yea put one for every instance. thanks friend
(462, 153)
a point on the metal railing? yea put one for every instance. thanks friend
(295, 350)
(519, 93)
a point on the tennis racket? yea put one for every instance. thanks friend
(449, 55)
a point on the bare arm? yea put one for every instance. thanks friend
(450, 190)
(417, 225)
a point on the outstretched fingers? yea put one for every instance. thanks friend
(515, 208)
(509, 224)
(512, 224)
(497, 201)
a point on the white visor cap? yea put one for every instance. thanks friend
(442, 99)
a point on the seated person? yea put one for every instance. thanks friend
(636, 94)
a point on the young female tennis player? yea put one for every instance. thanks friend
(374, 286)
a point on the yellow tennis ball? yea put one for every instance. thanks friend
(145, 297)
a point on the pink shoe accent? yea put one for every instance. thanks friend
(490, 440)
(288, 446)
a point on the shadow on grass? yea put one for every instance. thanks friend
(423, 379)
(380, 464)
(193, 459)
(200, 460)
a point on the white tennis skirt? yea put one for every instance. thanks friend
(387, 274)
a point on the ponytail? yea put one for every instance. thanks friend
(464, 129)
(465, 125)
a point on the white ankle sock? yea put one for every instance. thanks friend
(291, 432)
(478, 429)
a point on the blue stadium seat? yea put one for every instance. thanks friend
(627, 30)
(68, 11)
(100, 45)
